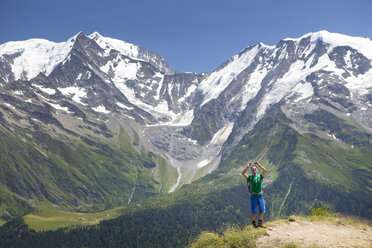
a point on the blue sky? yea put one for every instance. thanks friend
(193, 35)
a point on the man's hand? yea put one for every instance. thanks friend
(263, 168)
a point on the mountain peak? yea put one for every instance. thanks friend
(95, 35)
(34, 56)
(363, 44)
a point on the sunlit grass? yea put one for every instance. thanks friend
(46, 217)
(232, 237)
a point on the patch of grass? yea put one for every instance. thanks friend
(126, 141)
(290, 245)
(321, 214)
(166, 174)
(353, 221)
(136, 141)
(46, 217)
(232, 237)
(339, 219)
(209, 240)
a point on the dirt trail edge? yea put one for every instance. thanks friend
(317, 234)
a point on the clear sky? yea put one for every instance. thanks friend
(192, 35)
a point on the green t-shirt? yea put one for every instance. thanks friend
(256, 183)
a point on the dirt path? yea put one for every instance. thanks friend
(317, 234)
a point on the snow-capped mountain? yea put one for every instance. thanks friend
(132, 51)
(192, 120)
(317, 67)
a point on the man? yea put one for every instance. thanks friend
(255, 181)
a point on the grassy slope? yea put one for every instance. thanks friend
(46, 217)
(76, 174)
(166, 174)
(308, 168)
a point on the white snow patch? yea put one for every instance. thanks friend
(182, 119)
(190, 90)
(348, 59)
(49, 91)
(123, 69)
(36, 56)
(9, 105)
(252, 86)
(130, 117)
(295, 75)
(123, 47)
(360, 84)
(364, 45)
(221, 136)
(75, 92)
(123, 106)
(18, 93)
(101, 109)
(281, 87)
(333, 136)
(161, 110)
(79, 76)
(59, 107)
(218, 80)
(305, 90)
(203, 163)
(193, 141)
(161, 76)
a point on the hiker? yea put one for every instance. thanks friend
(255, 188)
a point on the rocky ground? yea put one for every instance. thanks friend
(303, 233)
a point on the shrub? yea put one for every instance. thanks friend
(208, 239)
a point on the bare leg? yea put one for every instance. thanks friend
(260, 221)
(261, 216)
(254, 217)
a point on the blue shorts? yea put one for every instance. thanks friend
(257, 200)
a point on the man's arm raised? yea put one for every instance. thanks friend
(245, 170)
(263, 168)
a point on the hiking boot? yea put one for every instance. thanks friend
(254, 224)
(260, 224)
